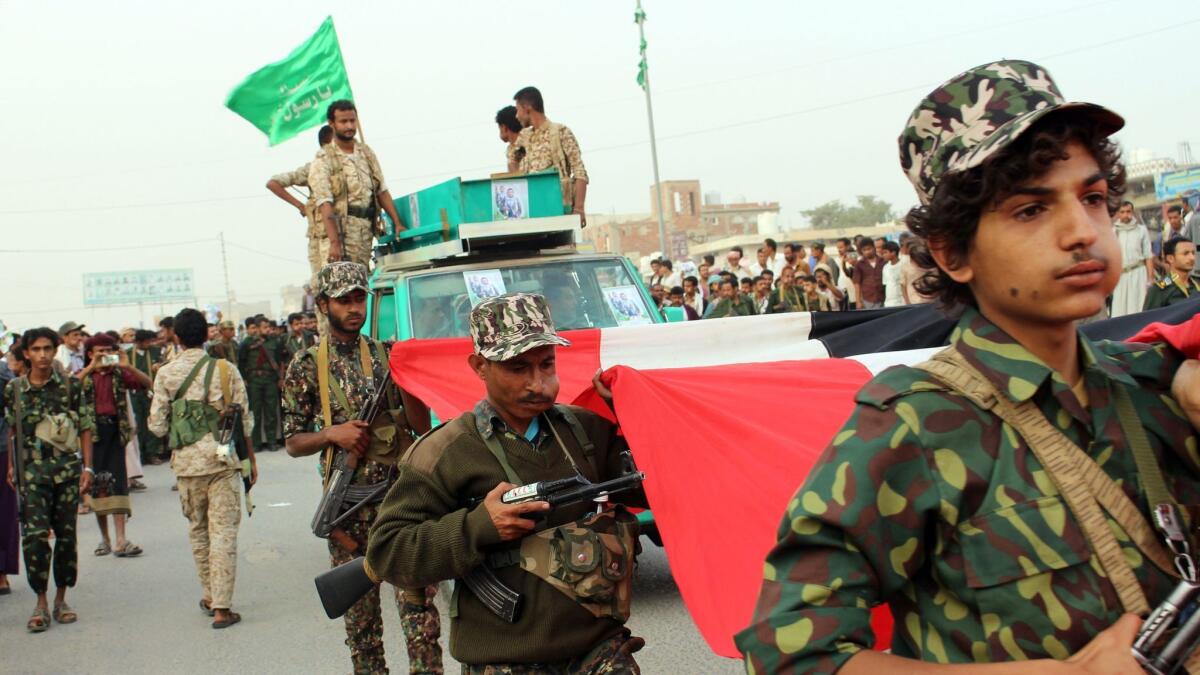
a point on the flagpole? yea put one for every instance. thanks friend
(640, 18)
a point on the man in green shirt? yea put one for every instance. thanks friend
(1177, 285)
(934, 498)
(430, 528)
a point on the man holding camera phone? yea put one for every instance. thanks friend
(105, 380)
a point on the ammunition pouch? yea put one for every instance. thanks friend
(192, 420)
(590, 561)
(389, 437)
(59, 431)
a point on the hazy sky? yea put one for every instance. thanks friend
(118, 136)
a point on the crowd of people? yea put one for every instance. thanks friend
(866, 273)
(81, 407)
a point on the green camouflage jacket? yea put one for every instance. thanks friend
(302, 398)
(929, 504)
(294, 344)
(58, 395)
(144, 359)
(722, 308)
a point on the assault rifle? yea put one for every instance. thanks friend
(342, 586)
(231, 439)
(341, 499)
(1171, 633)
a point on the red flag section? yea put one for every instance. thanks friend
(724, 448)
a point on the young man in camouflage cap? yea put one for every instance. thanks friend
(430, 528)
(355, 365)
(933, 498)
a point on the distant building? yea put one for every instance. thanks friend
(692, 217)
(1144, 187)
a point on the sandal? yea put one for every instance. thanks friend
(129, 550)
(205, 607)
(234, 617)
(39, 621)
(104, 548)
(64, 614)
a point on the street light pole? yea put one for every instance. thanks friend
(645, 73)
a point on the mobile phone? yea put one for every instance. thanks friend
(110, 360)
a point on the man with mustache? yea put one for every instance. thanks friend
(325, 389)
(998, 496)
(431, 528)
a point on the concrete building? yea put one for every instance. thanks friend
(692, 218)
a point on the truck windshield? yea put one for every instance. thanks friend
(582, 294)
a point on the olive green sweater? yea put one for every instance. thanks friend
(425, 533)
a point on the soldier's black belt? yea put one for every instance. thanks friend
(364, 212)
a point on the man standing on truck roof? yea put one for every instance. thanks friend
(510, 129)
(298, 177)
(347, 190)
(551, 145)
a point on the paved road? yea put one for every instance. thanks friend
(140, 616)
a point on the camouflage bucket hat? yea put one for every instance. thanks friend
(339, 278)
(976, 114)
(510, 325)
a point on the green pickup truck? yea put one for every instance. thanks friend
(467, 240)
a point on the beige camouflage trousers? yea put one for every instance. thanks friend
(357, 246)
(213, 506)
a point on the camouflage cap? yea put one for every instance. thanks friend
(339, 278)
(977, 113)
(510, 325)
(226, 324)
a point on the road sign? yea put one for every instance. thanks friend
(127, 288)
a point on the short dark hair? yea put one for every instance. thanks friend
(844, 240)
(1175, 208)
(726, 281)
(726, 274)
(771, 243)
(18, 351)
(250, 321)
(531, 97)
(341, 104)
(310, 315)
(324, 135)
(739, 250)
(949, 221)
(1170, 246)
(812, 279)
(191, 327)
(676, 290)
(891, 246)
(865, 242)
(747, 280)
(33, 335)
(167, 322)
(507, 116)
(756, 279)
(691, 278)
(710, 259)
(789, 246)
(768, 273)
(667, 264)
(142, 335)
(1127, 203)
(294, 317)
(819, 246)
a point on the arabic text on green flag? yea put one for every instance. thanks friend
(286, 97)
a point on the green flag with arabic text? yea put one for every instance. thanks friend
(284, 98)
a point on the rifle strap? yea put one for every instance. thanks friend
(226, 385)
(325, 383)
(581, 437)
(191, 377)
(1083, 484)
(18, 458)
(497, 450)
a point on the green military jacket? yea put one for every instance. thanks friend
(144, 359)
(741, 306)
(58, 395)
(294, 344)
(931, 505)
(220, 349)
(261, 358)
(1170, 290)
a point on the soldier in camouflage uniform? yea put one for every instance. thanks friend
(543, 144)
(927, 500)
(51, 475)
(347, 184)
(225, 346)
(426, 531)
(342, 288)
(210, 484)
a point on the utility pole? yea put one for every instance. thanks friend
(228, 291)
(644, 72)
